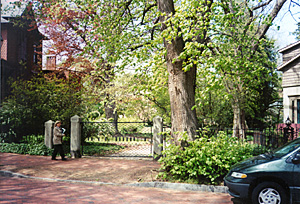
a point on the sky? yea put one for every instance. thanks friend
(287, 24)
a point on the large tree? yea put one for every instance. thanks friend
(233, 32)
(65, 25)
(133, 31)
(241, 57)
(182, 79)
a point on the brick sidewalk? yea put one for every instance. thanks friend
(18, 190)
(26, 190)
(105, 170)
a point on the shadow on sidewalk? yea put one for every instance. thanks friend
(239, 201)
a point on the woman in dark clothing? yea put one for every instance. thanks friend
(57, 141)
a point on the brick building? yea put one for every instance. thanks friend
(20, 47)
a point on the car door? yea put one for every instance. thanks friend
(296, 177)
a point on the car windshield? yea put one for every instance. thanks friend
(287, 148)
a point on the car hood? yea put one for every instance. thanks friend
(253, 161)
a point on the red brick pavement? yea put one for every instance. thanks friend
(88, 169)
(19, 190)
(26, 190)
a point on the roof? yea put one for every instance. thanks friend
(4, 20)
(288, 62)
(289, 46)
(12, 8)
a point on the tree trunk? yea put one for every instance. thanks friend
(182, 99)
(239, 121)
(110, 108)
(181, 84)
(109, 105)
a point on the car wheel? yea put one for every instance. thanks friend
(269, 192)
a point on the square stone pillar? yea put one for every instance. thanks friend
(75, 137)
(48, 139)
(157, 137)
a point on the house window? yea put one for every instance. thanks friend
(35, 55)
(51, 62)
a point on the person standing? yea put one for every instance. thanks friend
(57, 141)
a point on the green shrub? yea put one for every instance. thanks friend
(33, 139)
(39, 149)
(96, 130)
(32, 149)
(129, 129)
(100, 149)
(36, 101)
(204, 160)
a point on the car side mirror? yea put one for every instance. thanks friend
(296, 159)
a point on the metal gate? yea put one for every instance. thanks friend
(134, 138)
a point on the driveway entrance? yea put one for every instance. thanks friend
(134, 137)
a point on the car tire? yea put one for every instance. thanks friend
(269, 192)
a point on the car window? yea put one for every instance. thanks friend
(288, 148)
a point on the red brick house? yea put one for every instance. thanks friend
(21, 47)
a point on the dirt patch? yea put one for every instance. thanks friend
(108, 170)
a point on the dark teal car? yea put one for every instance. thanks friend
(272, 178)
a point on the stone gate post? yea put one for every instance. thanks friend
(49, 134)
(75, 137)
(157, 137)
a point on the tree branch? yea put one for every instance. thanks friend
(261, 5)
(295, 3)
(145, 11)
(264, 28)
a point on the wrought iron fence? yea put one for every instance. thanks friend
(135, 137)
(271, 137)
(268, 138)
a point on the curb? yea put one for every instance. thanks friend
(183, 186)
(164, 185)
(17, 175)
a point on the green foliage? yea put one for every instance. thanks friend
(30, 144)
(212, 103)
(32, 149)
(140, 96)
(205, 160)
(33, 139)
(36, 101)
(129, 129)
(95, 130)
(100, 149)
(91, 149)
(263, 108)
(216, 91)
(297, 32)
(34, 145)
(216, 35)
(152, 85)
(89, 130)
